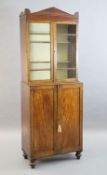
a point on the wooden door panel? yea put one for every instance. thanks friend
(43, 120)
(68, 117)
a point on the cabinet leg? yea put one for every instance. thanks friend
(25, 155)
(32, 163)
(78, 155)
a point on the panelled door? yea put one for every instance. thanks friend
(68, 135)
(42, 98)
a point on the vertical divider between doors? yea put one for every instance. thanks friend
(55, 50)
(52, 50)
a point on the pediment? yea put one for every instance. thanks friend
(51, 14)
(53, 11)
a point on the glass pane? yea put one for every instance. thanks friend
(39, 75)
(64, 74)
(39, 28)
(62, 65)
(39, 51)
(66, 51)
(39, 38)
(37, 65)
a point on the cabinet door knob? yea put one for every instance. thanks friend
(59, 128)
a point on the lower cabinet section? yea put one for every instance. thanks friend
(54, 122)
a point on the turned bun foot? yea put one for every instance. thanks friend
(25, 155)
(32, 164)
(78, 155)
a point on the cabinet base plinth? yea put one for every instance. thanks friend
(34, 161)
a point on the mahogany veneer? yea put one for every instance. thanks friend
(51, 108)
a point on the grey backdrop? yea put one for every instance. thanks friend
(92, 57)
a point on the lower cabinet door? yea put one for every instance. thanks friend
(42, 105)
(69, 122)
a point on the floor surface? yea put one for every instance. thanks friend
(92, 162)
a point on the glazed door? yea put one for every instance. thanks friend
(40, 52)
(65, 44)
(42, 120)
(69, 121)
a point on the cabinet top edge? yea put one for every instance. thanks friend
(51, 13)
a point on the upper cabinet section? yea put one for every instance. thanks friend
(48, 46)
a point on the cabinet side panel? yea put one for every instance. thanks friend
(81, 117)
(42, 124)
(24, 72)
(25, 94)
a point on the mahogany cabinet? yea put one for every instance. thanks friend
(52, 95)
